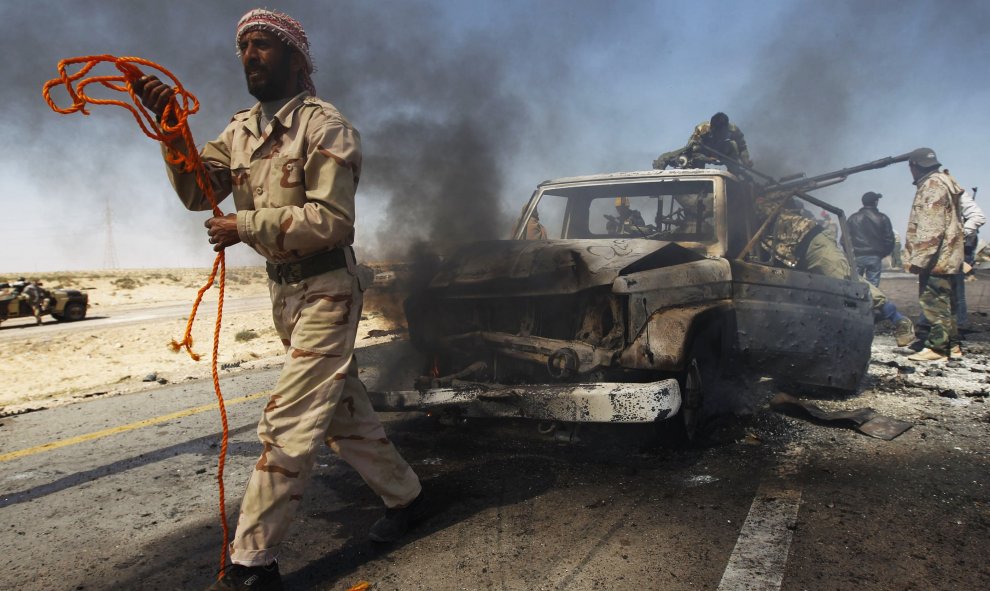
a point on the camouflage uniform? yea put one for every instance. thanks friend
(787, 236)
(734, 146)
(934, 245)
(33, 296)
(293, 185)
(797, 241)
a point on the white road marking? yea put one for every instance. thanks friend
(759, 558)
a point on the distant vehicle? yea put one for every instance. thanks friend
(66, 305)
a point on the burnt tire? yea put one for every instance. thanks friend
(701, 375)
(73, 311)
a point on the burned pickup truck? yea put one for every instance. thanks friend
(627, 297)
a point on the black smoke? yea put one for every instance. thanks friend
(833, 74)
(442, 111)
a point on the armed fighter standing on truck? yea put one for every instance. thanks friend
(718, 134)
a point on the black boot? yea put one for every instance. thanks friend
(237, 577)
(396, 522)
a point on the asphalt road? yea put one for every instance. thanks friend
(120, 493)
(25, 328)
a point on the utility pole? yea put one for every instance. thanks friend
(110, 255)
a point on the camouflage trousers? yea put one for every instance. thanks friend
(318, 399)
(935, 294)
(824, 257)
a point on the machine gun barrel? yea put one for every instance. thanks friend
(831, 178)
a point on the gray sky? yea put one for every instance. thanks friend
(464, 107)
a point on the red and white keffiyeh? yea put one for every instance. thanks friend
(285, 28)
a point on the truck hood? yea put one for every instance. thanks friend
(537, 267)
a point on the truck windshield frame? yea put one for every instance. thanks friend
(674, 210)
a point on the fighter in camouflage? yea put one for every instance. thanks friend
(62, 304)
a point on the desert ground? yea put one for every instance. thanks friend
(123, 345)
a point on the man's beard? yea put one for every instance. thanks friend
(272, 84)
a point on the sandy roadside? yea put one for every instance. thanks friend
(43, 370)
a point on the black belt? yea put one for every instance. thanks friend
(296, 271)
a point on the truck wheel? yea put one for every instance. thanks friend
(699, 378)
(74, 311)
(692, 400)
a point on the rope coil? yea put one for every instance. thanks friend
(182, 105)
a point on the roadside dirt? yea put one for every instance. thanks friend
(87, 359)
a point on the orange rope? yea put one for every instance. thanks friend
(179, 108)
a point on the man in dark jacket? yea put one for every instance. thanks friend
(872, 237)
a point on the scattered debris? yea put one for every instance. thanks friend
(377, 332)
(151, 377)
(864, 420)
(700, 479)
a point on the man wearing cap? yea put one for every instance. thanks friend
(934, 245)
(872, 237)
(292, 163)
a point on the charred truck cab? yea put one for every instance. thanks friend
(645, 293)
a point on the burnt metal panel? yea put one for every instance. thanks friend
(802, 327)
(689, 284)
(662, 343)
(532, 348)
(524, 268)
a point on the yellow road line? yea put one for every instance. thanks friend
(123, 428)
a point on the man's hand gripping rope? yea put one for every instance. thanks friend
(171, 107)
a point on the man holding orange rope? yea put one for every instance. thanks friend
(292, 163)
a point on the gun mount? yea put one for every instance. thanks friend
(802, 183)
(798, 183)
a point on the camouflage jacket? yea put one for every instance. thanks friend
(293, 182)
(934, 239)
(703, 136)
(789, 233)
